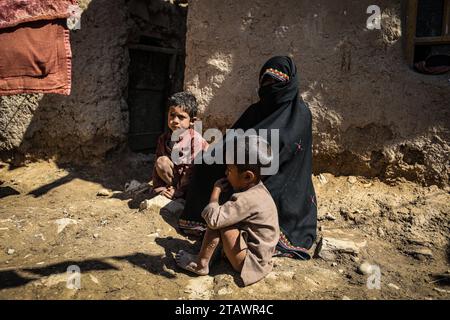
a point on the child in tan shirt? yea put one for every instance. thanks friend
(247, 224)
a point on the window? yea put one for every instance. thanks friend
(427, 29)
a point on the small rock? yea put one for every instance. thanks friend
(402, 211)
(419, 220)
(277, 262)
(441, 290)
(153, 235)
(367, 185)
(420, 253)
(95, 235)
(352, 179)
(322, 179)
(329, 216)
(380, 232)
(53, 280)
(169, 271)
(11, 251)
(224, 291)
(341, 271)
(163, 204)
(328, 247)
(419, 242)
(334, 264)
(346, 298)
(200, 288)
(103, 193)
(347, 215)
(144, 205)
(40, 235)
(63, 223)
(223, 280)
(393, 286)
(94, 279)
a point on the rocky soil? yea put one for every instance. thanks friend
(54, 216)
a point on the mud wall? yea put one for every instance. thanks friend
(373, 115)
(90, 121)
(93, 120)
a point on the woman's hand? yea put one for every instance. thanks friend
(159, 190)
(169, 192)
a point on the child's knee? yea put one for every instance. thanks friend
(164, 163)
(164, 166)
(235, 246)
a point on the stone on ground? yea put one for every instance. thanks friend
(328, 247)
(63, 223)
(161, 203)
(103, 193)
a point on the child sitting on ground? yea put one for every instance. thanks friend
(246, 225)
(171, 174)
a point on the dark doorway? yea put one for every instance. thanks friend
(156, 50)
(151, 71)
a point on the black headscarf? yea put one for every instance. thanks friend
(280, 107)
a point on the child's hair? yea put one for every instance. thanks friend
(186, 101)
(256, 149)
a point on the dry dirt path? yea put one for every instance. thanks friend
(51, 217)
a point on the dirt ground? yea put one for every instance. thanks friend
(124, 253)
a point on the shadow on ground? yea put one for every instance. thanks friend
(111, 174)
(154, 264)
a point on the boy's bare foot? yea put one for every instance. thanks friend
(188, 262)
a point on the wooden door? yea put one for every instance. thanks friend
(150, 73)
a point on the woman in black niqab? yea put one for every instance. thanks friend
(280, 107)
